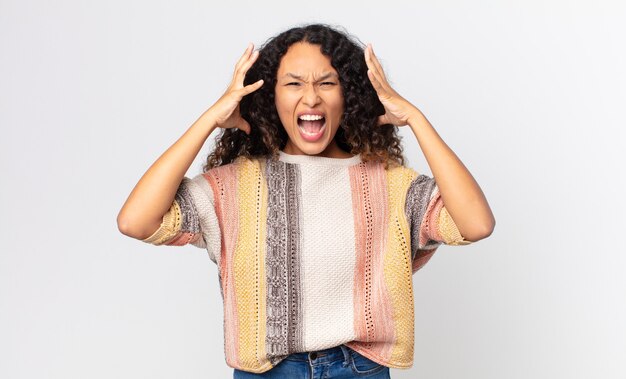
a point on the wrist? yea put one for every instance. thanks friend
(415, 118)
(208, 121)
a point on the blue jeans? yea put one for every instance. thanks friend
(336, 362)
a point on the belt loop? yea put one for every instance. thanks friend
(346, 355)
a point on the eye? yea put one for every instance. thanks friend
(327, 83)
(293, 83)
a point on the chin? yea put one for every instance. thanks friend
(313, 150)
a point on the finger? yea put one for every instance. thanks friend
(373, 74)
(245, 126)
(369, 59)
(382, 120)
(245, 66)
(383, 87)
(377, 64)
(244, 57)
(380, 90)
(248, 63)
(251, 87)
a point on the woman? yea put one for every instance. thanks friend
(306, 207)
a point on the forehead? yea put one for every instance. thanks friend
(304, 59)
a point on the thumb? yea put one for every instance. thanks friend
(245, 127)
(252, 87)
(382, 120)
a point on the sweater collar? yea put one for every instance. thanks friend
(314, 159)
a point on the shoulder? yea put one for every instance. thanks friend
(402, 173)
(231, 170)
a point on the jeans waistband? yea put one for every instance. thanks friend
(322, 356)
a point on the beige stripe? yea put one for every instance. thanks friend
(169, 228)
(398, 270)
(448, 229)
(249, 267)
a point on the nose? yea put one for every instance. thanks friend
(310, 97)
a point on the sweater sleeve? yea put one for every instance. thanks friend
(430, 223)
(191, 218)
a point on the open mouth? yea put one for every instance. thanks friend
(311, 126)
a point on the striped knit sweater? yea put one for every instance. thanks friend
(312, 252)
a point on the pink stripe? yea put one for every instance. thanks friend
(429, 229)
(373, 318)
(183, 238)
(223, 181)
(421, 259)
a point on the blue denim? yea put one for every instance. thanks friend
(337, 362)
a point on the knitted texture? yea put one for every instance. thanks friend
(312, 252)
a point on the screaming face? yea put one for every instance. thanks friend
(309, 101)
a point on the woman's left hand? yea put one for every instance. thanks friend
(397, 109)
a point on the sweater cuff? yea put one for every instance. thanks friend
(449, 231)
(170, 226)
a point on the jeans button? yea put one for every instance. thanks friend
(313, 355)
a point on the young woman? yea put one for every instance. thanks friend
(306, 207)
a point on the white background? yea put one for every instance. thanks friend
(529, 94)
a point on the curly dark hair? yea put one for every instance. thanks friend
(358, 132)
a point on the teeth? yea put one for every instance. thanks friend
(310, 117)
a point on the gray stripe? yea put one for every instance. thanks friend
(284, 313)
(190, 220)
(202, 195)
(417, 199)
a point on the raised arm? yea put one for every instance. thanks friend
(461, 194)
(142, 213)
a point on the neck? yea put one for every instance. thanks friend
(332, 151)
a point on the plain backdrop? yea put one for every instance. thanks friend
(529, 94)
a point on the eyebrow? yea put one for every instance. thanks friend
(325, 76)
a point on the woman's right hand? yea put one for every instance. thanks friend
(226, 110)
(142, 213)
